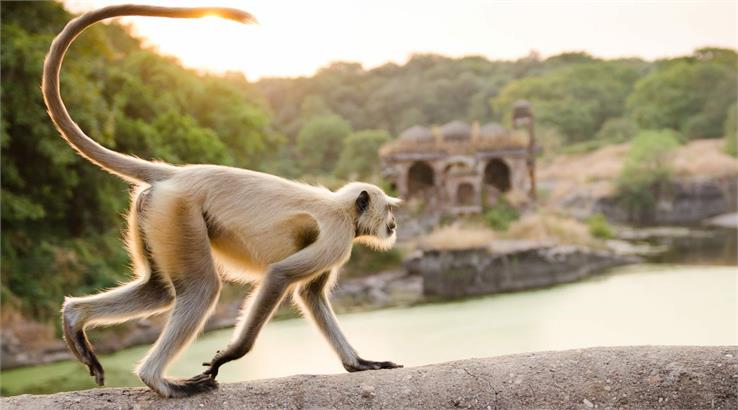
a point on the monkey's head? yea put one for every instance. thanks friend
(373, 213)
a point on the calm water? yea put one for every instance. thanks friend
(636, 305)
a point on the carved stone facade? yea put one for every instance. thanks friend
(459, 168)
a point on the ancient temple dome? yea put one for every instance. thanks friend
(493, 130)
(417, 134)
(455, 131)
(454, 138)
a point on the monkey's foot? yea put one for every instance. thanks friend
(362, 365)
(79, 345)
(201, 383)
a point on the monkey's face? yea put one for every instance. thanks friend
(375, 221)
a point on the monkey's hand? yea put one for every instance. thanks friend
(221, 357)
(81, 347)
(362, 365)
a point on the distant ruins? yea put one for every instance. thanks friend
(459, 168)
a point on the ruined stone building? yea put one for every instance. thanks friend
(459, 168)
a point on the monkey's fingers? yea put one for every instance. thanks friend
(389, 365)
(97, 371)
(87, 356)
(220, 358)
(94, 366)
(212, 370)
(363, 365)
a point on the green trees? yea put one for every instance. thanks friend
(428, 89)
(360, 154)
(585, 100)
(320, 142)
(691, 95)
(575, 99)
(326, 145)
(60, 214)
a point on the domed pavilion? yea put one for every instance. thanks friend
(460, 168)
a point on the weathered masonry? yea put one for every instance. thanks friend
(459, 168)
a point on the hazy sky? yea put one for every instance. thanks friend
(298, 37)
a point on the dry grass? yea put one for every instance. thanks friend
(541, 227)
(596, 172)
(550, 228)
(704, 158)
(455, 237)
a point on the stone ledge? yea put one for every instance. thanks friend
(606, 377)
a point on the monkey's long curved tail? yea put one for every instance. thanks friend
(130, 168)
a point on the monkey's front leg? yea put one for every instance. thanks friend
(266, 298)
(315, 303)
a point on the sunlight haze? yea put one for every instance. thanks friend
(297, 38)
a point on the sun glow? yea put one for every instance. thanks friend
(210, 42)
(298, 37)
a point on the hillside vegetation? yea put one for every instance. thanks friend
(61, 215)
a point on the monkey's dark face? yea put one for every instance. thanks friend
(375, 221)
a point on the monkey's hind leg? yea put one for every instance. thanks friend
(134, 299)
(179, 244)
(149, 294)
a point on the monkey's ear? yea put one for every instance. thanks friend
(362, 202)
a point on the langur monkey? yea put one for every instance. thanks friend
(191, 226)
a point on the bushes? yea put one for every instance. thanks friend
(646, 172)
(617, 130)
(599, 227)
(501, 215)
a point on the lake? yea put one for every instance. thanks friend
(654, 304)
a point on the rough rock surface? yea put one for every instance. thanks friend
(517, 265)
(613, 377)
(688, 201)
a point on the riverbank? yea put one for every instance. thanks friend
(513, 266)
(627, 306)
(607, 377)
(508, 266)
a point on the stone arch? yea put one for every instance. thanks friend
(497, 174)
(465, 194)
(420, 177)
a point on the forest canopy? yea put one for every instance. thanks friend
(61, 215)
